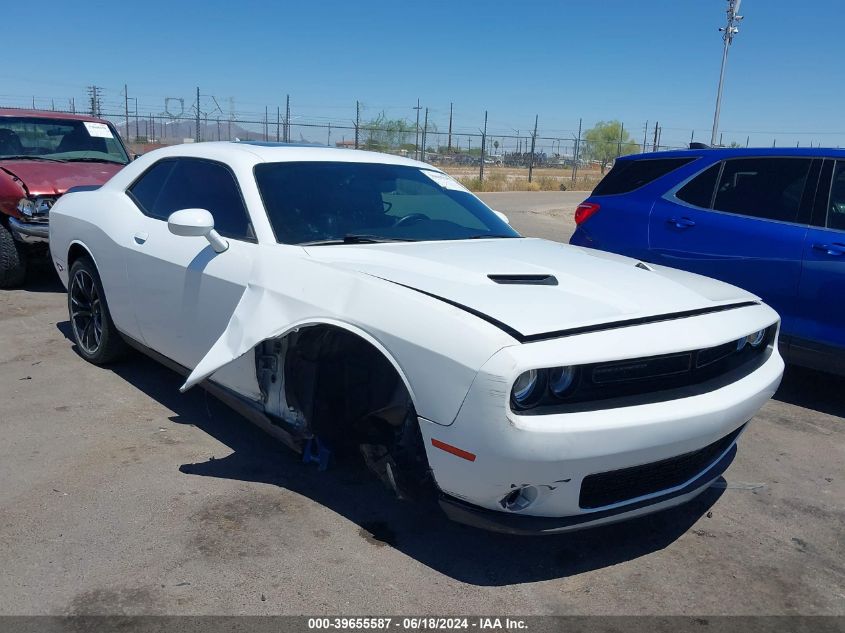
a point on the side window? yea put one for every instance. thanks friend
(699, 190)
(194, 184)
(627, 175)
(768, 188)
(836, 205)
(146, 189)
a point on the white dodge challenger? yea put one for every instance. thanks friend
(351, 300)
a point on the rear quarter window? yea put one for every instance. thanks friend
(628, 175)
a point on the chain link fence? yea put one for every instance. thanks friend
(484, 160)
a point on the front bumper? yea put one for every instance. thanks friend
(30, 232)
(553, 455)
(527, 525)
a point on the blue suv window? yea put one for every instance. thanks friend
(699, 190)
(836, 207)
(769, 188)
(628, 175)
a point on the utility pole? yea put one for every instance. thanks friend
(417, 136)
(449, 147)
(654, 146)
(357, 121)
(197, 136)
(645, 135)
(278, 121)
(126, 109)
(533, 142)
(483, 146)
(728, 32)
(424, 133)
(265, 123)
(94, 94)
(577, 152)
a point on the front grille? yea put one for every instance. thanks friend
(615, 486)
(634, 381)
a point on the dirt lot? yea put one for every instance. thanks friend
(119, 495)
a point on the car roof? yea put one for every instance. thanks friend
(719, 153)
(267, 152)
(48, 114)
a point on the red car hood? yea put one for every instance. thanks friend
(47, 178)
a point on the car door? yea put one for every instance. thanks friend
(819, 333)
(742, 221)
(184, 292)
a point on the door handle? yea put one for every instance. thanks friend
(830, 249)
(681, 223)
(140, 238)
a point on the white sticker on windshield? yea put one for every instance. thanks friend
(100, 130)
(447, 182)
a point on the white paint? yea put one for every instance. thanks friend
(208, 311)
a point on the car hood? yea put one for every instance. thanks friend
(592, 287)
(49, 178)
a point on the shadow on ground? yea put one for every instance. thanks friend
(814, 390)
(42, 277)
(418, 530)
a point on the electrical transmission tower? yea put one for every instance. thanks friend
(95, 96)
(728, 32)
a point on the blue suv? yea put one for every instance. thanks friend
(771, 221)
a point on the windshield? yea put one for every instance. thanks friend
(57, 139)
(323, 202)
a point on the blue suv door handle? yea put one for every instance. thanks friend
(683, 223)
(830, 249)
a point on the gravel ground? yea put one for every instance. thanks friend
(119, 495)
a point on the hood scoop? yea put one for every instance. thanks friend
(524, 280)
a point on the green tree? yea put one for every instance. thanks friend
(606, 141)
(382, 133)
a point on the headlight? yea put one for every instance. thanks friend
(525, 388)
(35, 208)
(754, 339)
(561, 380)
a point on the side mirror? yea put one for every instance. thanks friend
(502, 216)
(196, 223)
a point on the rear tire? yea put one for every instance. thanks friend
(97, 339)
(12, 259)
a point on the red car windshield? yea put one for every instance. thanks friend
(61, 140)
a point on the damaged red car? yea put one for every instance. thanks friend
(42, 155)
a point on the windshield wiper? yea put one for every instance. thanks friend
(30, 157)
(354, 238)
(93, 160)
(486, 237)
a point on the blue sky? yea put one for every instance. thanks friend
(611, 59)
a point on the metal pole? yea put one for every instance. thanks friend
(645, 136)
(619, 143)
(730, 29)
(357, 121)
(278, 123)
(197, 136)
(424, 134)
(483, 144)
(417, 136)
(449, 147)
(126, 109)
(533, 142)
(577, 150)
(287, 118)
